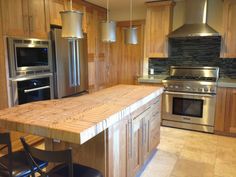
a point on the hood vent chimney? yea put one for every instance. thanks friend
(196, 21)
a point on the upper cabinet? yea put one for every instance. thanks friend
(158, 26)
(229, 36)
(55, 7)
(25, 18)
(38, 18)
(15, 17)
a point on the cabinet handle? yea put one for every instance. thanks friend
(26, 23)
(31, 23)
(131, 138)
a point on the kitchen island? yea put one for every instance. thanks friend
(114, 130)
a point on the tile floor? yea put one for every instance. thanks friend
(183, 153)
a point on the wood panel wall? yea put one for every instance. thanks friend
(3, 82)
(127, 58)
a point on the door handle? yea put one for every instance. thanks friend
(36, 89)
(78, 63)
(72, 64)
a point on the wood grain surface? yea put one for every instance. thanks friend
(78, 119)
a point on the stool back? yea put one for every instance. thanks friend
(5, 140)
(64, 156)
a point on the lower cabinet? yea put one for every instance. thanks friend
(225, 120)
(132, 141)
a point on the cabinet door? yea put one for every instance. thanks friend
(145, 137)
(118, 149)
(38, 18)
(220, 110)
(136, 146)
(229, 36)
(158, 26)
(154, 125)
(55, 7)
(15, 17)
(230, 122)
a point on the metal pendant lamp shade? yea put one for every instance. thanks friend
(131, 34)
(108, 31)
(108, 28)
(72, 24)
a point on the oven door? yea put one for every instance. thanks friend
(189, 107)
(30, 89)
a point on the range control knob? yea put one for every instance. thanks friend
(212, 90)
(200, 89)
(176, 86)
(206, 89)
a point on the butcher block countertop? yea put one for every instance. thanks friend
(78, 119)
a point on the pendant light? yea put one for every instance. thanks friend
(131, 36)
(108, 28)
(72, 23)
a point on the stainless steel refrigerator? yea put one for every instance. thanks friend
(70, 65)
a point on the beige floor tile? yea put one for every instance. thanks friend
(225, 168)
(185, 153)
(188, 168)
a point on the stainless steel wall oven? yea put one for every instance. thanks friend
(30, 70)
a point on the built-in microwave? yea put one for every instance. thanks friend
(28, 56)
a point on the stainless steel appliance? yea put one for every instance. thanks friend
(30, 70)
(190, 98)
(25, 89)
(28, 56)
(71, 65)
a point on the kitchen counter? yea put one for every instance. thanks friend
(227, 82)
(78, 119)
(152, 79)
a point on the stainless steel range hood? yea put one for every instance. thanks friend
(196, 21)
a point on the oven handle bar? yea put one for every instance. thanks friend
(35, 89)
(190, 94)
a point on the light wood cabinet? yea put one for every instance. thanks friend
(55, 7)
(158, 26)
(228, 49)
(136, 144)
(154, 125)
(225, 119)
(15, 17)
(132, 140)
(118, 149)
(25, 18)
(38, 18)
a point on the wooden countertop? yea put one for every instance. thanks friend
(78, 119)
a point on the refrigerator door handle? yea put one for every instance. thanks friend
(78, 62)
(72, 63)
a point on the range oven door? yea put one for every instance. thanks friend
(30, 89)
(189, 107)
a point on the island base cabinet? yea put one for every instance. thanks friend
(118, 149)
(122, 149)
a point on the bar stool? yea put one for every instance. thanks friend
(66, 169)
(15, 164)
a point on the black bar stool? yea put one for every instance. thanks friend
(15, 164)
(66, 169)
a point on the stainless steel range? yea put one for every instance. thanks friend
(190, 98)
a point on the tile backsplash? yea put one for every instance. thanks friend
(197, 51)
